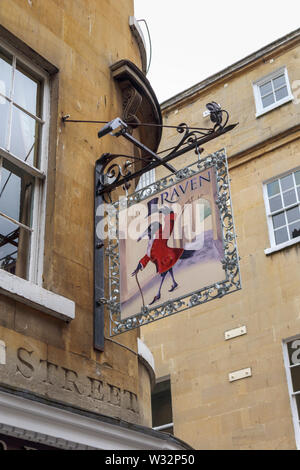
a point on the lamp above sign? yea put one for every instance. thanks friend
(170, 246)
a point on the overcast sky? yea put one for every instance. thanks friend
(193, 39)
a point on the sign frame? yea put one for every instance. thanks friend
(230, 260)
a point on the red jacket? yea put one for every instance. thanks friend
(161, 255)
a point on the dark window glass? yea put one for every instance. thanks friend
(14, 248)
(295, 373)
(16, 193)
(294, 229)
(293, 348)
(162, 405)
(298, 404)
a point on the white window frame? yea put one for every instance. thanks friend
(260, 110)
(39, 197)
(31, 291)
(292, 394)
(273, 248)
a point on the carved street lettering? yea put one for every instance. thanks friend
(68, 380)
(114, 395)
(50, 371)
(131, 402)
(97, 389)
(24, 367)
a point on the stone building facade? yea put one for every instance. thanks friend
(256, 329)
(57, 387)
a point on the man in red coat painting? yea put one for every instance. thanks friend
(158, 250)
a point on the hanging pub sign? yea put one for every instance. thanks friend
(170, 246)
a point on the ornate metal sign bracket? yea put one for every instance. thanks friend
(113, 175)
(110, 174)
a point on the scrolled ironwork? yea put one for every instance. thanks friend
(216, 114)
(113, 174)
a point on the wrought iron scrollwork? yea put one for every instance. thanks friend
(114, 174)
(216, 115)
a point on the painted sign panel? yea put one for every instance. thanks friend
(175, 248)
(171, 246)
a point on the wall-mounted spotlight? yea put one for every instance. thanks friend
(112, 126)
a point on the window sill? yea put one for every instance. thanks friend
(274, 106)
(273, 249)
(37, 297)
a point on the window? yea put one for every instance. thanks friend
(272, 91)
(24, 129)
(282, 199)
(146, 179)
(292, 365)
(161, 402)
(23, 138)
